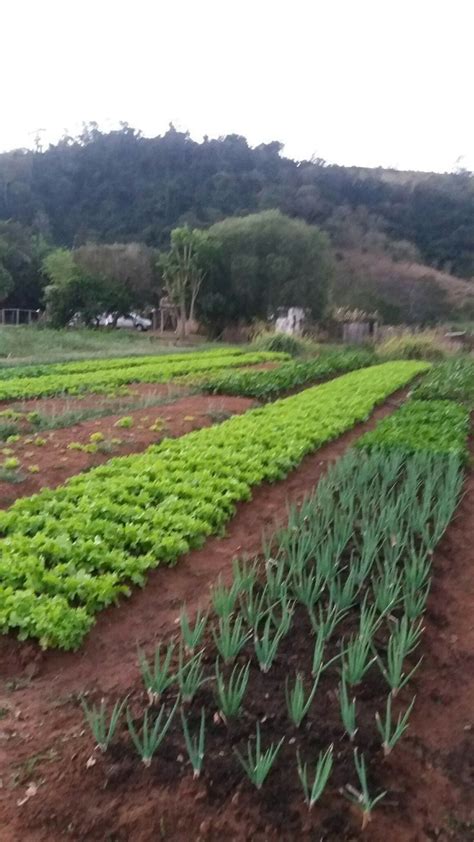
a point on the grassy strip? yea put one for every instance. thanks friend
(70, 551)
(432, 426)
(451, 380)
(265, 385)
(110, 379)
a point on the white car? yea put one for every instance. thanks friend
(130, 321)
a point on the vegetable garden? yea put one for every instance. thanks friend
(282, 704)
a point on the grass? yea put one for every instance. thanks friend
(25, 344)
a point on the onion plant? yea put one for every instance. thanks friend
(357, 659)
(245, 575)
(275, 576)
(195, 743)
(192, 634)
(230, 693)
(389, 732)
(266, 645)
(190, 675)
(313, 791)
(298, 704)
(257, 763)
(224, 598)
(230, 638)
(149, 740)
(102, 725)
(254, 605)
(402, 641)
(157, 676)
(348, 710)
(361, 797)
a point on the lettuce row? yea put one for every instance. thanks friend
(68, 552)
(155, 370)
(438, 427)
(264, 385)
(11, 372)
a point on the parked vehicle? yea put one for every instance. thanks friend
(129, 320)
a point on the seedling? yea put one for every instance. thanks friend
(157, 677)
(190, 676)
(362, 797)
(148, 743)
(102, 726)
(391, 734)
(267, 645)
(402, 641)
(322, 771)
(257, 764)
(195, 743)
(231, 693)
(356, 659)
(298, 706)
(348, 710)
(126, 421)
(231, 637)
(245, 575)
(224, 599)
(192, 634)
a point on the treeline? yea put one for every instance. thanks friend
(120, 186)
(103, 221)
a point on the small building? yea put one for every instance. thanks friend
(355, 326)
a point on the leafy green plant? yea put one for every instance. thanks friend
(257, 764)
(195, 743)
(102, 724)
(126, 421)
(149, 740)
(322, 771)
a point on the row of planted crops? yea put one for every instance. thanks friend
(299, 678)
(67, 553)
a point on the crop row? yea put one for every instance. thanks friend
(68, 552)
(102, 364)
(313, 648)
(433, 426)
(157, 370)
(266, 384)
(450, 380)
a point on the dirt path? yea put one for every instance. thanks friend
(37, 698)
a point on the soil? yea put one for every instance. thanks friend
(50, 792)
(56, 461)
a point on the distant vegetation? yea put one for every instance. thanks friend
(115, 199)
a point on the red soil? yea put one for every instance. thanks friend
(429, 776)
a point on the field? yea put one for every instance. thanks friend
(235, 597)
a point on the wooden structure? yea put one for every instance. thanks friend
(355, 326)
(166, 316)
(17, 316)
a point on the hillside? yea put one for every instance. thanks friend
(121, 186)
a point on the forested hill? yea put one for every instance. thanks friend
(120, 186)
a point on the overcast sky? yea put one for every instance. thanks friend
(368, 82)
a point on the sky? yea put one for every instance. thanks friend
(356, 82)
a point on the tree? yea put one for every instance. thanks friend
(262, 262)
(183, 268)
(72, 290)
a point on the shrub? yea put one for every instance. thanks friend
(422, 346)
(284, 343)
